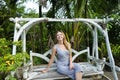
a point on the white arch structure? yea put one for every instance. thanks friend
(21, 31)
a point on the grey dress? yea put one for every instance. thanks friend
(63, 63)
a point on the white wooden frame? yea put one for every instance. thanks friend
(22, 31)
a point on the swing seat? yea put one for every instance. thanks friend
(35, 74)
(32, 72)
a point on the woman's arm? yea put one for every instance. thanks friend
(52, 57)
(51, 60)
(70, 58)
(71, 64)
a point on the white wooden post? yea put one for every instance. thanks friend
(93, 48)
(112, 63)
(24, 44)
(31, 60)
(96, 43)
(14, 39)
(88, 54)
(24, 41)
(96, 48)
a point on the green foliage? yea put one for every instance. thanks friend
(114, 27)
(116, 50)
(9, 62)
(116, 53)
(3, 46)
(10, 77)
(17, 43)
(102, 50)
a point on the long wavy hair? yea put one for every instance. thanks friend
(65, 42)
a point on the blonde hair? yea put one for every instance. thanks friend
(65, 42)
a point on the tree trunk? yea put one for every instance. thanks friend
(41, 31)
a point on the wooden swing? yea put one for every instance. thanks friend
(31, 72)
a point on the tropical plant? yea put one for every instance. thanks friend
(116, 52)
(37, 37)
(8, 9)
(9, 62)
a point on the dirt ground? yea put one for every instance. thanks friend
(107, 73)
(110, 75)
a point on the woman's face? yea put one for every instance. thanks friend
(60, 36)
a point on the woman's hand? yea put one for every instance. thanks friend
(44, 70)
(71, 66)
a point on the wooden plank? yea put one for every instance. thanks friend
(48, 75)
(34, 73)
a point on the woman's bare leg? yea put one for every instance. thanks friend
(78, 76)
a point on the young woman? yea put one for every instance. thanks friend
(64, 62)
